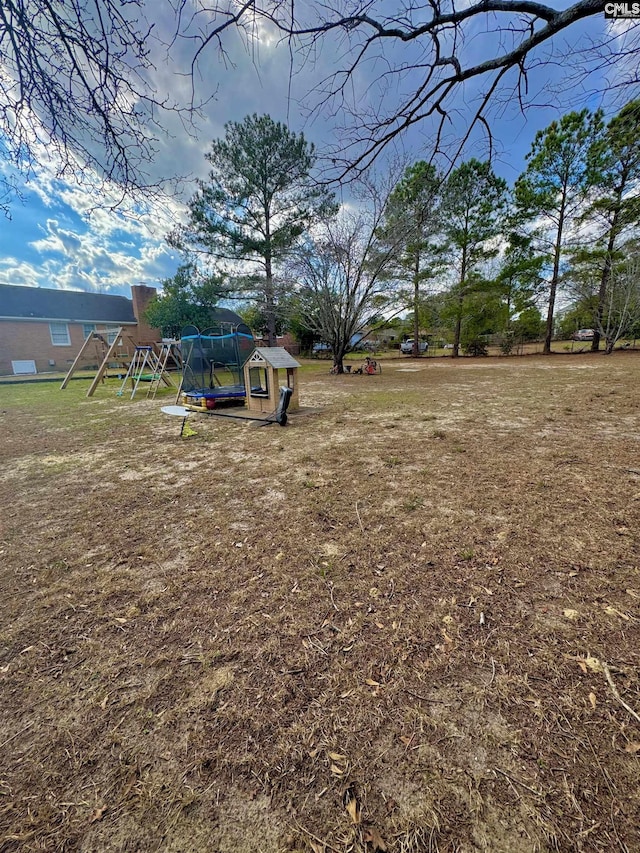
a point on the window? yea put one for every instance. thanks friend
(112, 333)
(59, 334)
(88, 329)
(259, 386)
(290, 378)
(21, 368)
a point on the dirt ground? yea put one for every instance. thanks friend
(408, 621)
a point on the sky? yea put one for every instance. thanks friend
(62, 234)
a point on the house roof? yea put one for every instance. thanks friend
(41, 303)
(275, 356)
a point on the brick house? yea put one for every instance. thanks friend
(287, 341)
(42, 330)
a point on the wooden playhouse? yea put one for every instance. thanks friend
(266, 369)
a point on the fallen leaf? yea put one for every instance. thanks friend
(120, 620)
(592, 699)
(570, 613)
(372, 683)
(593, 664)
(103, 704)
(373, 837)
(406, 740)
(446, 637)
(337, 771)
(354, 810)
(317, 848)
(335, 756)
(632, 747)
(98, 814)
(612, 611)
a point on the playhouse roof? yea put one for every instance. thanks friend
(274, 356)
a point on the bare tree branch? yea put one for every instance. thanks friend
(432, 39)
(76, 90)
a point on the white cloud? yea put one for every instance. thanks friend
(20, 273)
(92, 260)
(58, 240)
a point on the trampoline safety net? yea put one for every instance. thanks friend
(212, 362)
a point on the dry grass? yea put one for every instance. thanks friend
(406, 622)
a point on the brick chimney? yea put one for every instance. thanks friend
(141, 295)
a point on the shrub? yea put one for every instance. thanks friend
(476, 348)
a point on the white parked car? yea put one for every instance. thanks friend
(583, 335)
(406, 347)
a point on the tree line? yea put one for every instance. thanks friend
(460, 251)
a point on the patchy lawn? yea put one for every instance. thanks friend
(409, 621)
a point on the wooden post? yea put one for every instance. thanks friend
(104, 365)
(72, 369)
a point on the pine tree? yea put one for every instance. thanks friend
(554, 186)
(257, 202)
(614, 159)
(413, 225)
(473, 203)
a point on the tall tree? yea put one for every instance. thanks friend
(342, 275)
(413, 225)
(621, 310)
(554, 186)
(259, 199)
(615, 170)
(188, 297)
(519, 278)
(473, 203)
(617, 314)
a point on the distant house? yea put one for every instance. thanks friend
(42, 330)
(287, 341)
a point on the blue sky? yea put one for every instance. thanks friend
(58, 237)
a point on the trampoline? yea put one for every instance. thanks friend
(212, 361)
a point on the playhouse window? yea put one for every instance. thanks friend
(59, 334)
(258, 382)
(290, 379)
